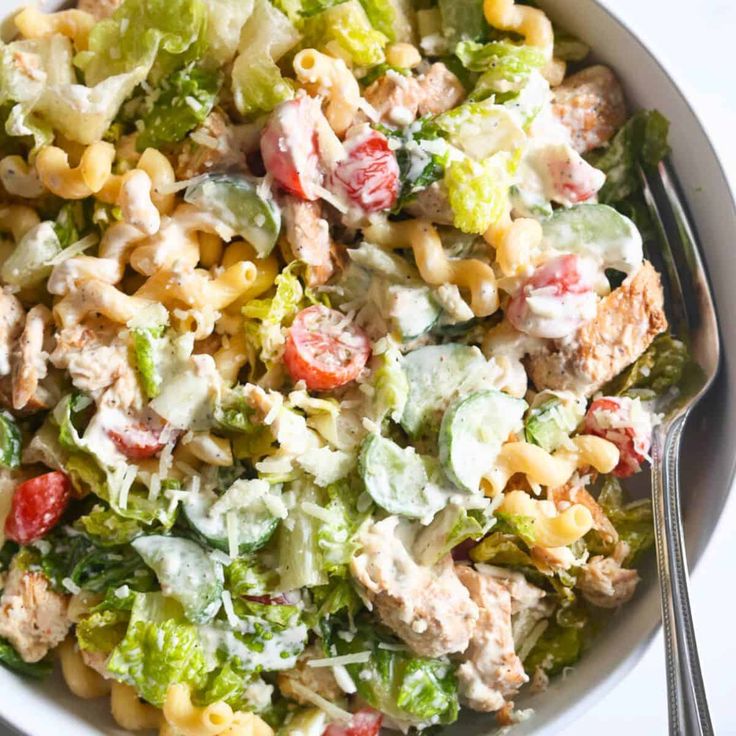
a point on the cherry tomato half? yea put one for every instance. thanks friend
(289, 147)
(369, 173)
(137, 437)
(611, 417)
(324, 350)
(556, 299)
(37, 506)
(365, 722)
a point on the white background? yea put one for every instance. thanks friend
(695, 41)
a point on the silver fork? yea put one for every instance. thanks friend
(692, 316)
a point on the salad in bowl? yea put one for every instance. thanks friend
(327, 336)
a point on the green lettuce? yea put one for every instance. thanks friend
(414, 691)
(393, 18)
(463, 20)
(452, 526)
(167, 33)
(257, 83)
(102, 631)
(642, 141)
(159, 648)
(632, 520)
(71, 222)
(661, 367)
(390, 384)
(558, 647)
(12, 660)
(551, 422)
(72, 556)
(179, 104)
(266, 317)
(501, 548)
(146, 345)
(108, 529)
(250, 575)
(346, 26)
(10, 441)
(478, 192)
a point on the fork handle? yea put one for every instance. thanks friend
(687, 704)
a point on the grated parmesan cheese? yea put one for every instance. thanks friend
(231, 522)
(354, 658)
(71, 586)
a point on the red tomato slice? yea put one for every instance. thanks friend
(369, 173)
(324, 350)
(137, 437)
(610, 418)
(289, 147)
(365, 722)
(556, 299)
(37, 506)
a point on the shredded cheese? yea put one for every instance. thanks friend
(354, 658)
(231, 522)
(333, 712)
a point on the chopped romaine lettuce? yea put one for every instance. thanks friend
(653, 374)
(391, 386)
(452, 526)
(643, 140)
(257, 83)
(413, 691)
(146, 341)
(478, 192)
(101, 631)
(558, 647)
(13, 661)
(160, 648)
(250, 575)
(552, 418)
(179, 104)
(393, 18)
(10, 441)
(32, 259)
(347, 27)
(225, 20)
(106, 528)
(501, 548)
(463, 20)
(169, 32)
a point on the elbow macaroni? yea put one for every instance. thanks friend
(129, 712)
(330, 77)
(82, 680)
(516, 242)
(550, 470)
(531, 23)
(218, 719)
(18, 219)
(74, 24)
(95, 166)
(19, 179)
(434, 265)
(551, 529)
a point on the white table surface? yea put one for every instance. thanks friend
(695, 41)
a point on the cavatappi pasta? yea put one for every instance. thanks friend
(324, 344)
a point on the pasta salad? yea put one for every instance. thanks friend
(326, 336)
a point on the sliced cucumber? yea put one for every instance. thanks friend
(185, 572)
(472, 432)
(252, 523)
(597, 231)
(397, 479)
(410, 310)
(237, 202)
(437, 375)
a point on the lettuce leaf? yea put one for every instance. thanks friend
(393, 18)
(478, 192)
(250, 575)
(225, 20)
(13, 661)
(164, 34)
(463, 20)
(501, 548)
(106, 528)
(661, 367)
(411, 690)
(159, 648)
(102, 631)
(347, 27)
(146, 345)
(558, 647)
(451, 527)
(257, 83)
(643, 140)
(179, 104)
(390, 384)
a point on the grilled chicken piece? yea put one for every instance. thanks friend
(591, 105)
(429, 608)
(318, 679)
(605, 583)
(308, 236)
(33, 618)
(626, 322)
(395, 98)
(441, 90)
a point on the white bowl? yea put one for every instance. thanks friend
(708, 462)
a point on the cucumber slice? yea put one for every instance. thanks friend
(185, 572)
(254, 522)
(410, 310)
(398, 479)
(438, 374)
(472, 432)
(236, 201)
(597, 231)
